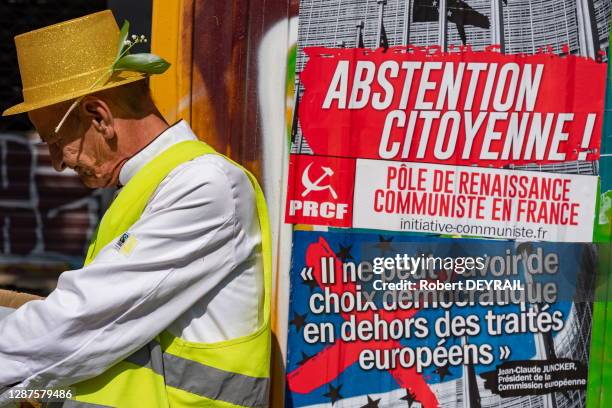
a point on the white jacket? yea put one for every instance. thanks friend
(193, 267)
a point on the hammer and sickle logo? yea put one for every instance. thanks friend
(315, 185)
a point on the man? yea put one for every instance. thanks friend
(172, 305)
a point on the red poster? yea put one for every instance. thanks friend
(468, 108)
(322, 191)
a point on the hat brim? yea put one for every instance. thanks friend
(122, 78)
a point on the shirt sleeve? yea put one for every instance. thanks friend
(180, 249)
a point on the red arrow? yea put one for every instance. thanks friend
(328, 364)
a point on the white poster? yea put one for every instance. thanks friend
(472, 201)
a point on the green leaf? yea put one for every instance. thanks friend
(146, 63)
(125, 29)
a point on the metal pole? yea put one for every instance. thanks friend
(497, 25)
(471, 395)
(442, 24)
(358, 37)
(381, 10)
(587, 28)
(406, 28)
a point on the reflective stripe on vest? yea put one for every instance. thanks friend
(206, 381)
(79, 404)
(170, 372)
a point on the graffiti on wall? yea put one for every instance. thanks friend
(46, 217)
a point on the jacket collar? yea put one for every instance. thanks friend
(179, 132)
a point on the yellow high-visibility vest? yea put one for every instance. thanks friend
(169, 371)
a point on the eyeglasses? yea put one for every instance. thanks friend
(55, 137)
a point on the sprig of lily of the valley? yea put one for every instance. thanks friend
(145, 63)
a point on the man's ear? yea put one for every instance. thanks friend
(97, 112)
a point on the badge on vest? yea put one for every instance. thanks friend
(126, 244)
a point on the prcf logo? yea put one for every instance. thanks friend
(316, 185)
(320, 190)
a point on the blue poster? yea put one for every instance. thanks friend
(382, 320)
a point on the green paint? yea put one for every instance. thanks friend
(290, 84)
(600, 362)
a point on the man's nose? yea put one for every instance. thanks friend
(57, 158)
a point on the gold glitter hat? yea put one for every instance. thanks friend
(68, 60)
